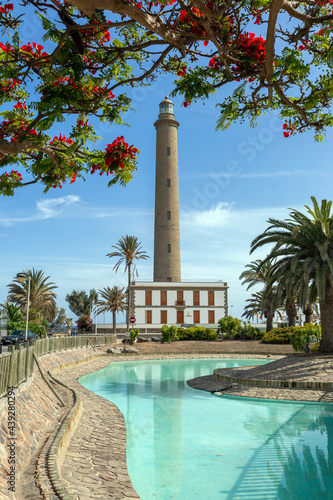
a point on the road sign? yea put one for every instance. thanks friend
(132, 320)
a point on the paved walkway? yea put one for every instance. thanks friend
(95, 462)
(296, 368)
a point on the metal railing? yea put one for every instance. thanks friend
(17, 365)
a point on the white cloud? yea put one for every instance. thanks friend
(45, 209)
(214, 217)
(55, 206)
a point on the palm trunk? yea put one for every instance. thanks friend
(114, 322)
(308, 311)
(291, 313)
(269, 315)
(129, 296)
(326, 315)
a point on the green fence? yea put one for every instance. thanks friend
(18, 364)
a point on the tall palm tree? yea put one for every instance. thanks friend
(128, 249)
(260, 272)
(42, 296)
(304, 256)
(112, 300)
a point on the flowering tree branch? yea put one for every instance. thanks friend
(89, 49)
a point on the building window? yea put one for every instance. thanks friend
(180, 298)
(180, 317)
(196, 317)
(164, 317)
(196, 298)
(169, 280)
(148, 317)
(169, 247)
(168, 183)
(168, 151)
(168, 215)
(163, 298)
(211, 317)
(211, 299)
(148, 297)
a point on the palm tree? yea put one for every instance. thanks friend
(304, 252)
(80, 303)
(42, 296)
(112, 300)
(261, 272)
(128, 249)
(12, 312)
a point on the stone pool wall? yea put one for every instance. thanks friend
(28, 414)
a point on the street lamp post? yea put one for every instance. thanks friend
(24, 277)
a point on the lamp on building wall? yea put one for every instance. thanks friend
(188, 315)
(21, 277)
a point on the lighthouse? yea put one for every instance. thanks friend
(168, 299)
(166, 232)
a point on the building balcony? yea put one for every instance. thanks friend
(180, 304)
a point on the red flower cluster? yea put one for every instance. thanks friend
(8, 129)
(14, 176)
(185, 21)
(87, 92)
(19, 105)
(118, 152)
(6, 8)
(288, 130)
(7, 85)
(62, 139)
(252, 52)
(182, 72)
(6, 48)
(253, 49)
(34, 53)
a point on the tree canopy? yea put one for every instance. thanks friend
(278, 52)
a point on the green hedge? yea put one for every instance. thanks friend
(171, 333)
(277, 336)
(299, 336)
(196, 333)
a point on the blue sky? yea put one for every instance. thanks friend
(230, 183)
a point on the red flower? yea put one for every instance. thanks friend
(19, 105)
(286, 134)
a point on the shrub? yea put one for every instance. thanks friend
(277, 336)
(247, 332)
(228, 326)
(133, 336)
(37, 329)
(315, 347)
(84, 322)
(169, 333)
(303, 335)
(196, 333)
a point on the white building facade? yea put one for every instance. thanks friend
(183, 304)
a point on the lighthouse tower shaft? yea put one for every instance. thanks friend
(167, 234)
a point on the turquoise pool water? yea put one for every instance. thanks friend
(185, 444)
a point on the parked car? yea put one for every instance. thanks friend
(17, 336)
